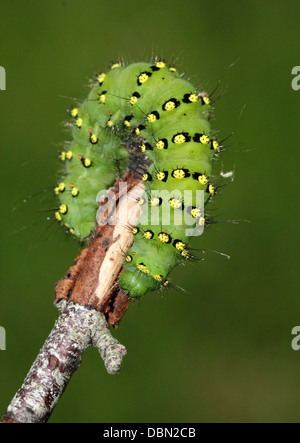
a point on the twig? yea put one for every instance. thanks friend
(89, 299)
(76, 329)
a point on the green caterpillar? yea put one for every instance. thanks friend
(148, 107)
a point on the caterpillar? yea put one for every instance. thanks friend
(141, 110)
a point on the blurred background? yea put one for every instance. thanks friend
(221, 351)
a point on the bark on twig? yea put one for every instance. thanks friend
(76, 329)
(89, 299)
(92, 280)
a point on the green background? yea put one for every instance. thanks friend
(222, 350)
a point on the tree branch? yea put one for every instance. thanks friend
(89, 299)
(76, 329)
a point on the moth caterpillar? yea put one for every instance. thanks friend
(142, 110)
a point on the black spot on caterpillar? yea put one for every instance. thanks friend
(145, 110)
